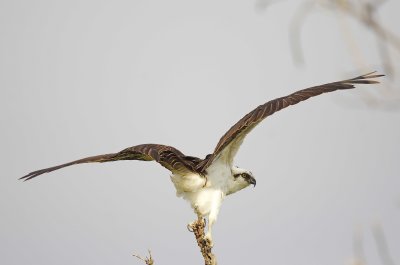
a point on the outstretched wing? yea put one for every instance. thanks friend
(168, 156)
(229, 144)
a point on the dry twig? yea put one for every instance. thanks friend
(148, 260)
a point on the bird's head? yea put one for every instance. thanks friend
(242, 178)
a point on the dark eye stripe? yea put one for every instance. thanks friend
(236, 176)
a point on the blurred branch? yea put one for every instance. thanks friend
(368, 17)
(263, 4)
(366, 13)
(295, 28)
(382, 245)
(358, 247)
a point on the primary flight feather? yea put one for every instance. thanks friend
(206, 182)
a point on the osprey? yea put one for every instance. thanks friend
(204, 183)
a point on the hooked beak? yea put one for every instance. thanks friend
(252, 181)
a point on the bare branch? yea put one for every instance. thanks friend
(197, 228)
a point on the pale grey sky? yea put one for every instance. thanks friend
(87, 77)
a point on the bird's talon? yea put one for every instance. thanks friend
(208, 241)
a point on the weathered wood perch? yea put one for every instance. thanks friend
(197, 227)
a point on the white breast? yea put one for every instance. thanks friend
(187, 183)
(205, 194)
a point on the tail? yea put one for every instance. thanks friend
(90, 159)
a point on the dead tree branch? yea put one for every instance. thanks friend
(197, 228)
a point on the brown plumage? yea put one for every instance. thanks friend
(238, 131)
(176, 161)
(168, 156)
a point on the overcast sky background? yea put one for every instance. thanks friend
(81, 78)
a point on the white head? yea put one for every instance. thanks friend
(241, 178)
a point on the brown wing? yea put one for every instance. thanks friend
(229, 144)
(167, 156)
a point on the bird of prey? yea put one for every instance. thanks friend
(204, 183)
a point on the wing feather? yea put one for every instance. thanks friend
(168, 156)
(230, 142)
